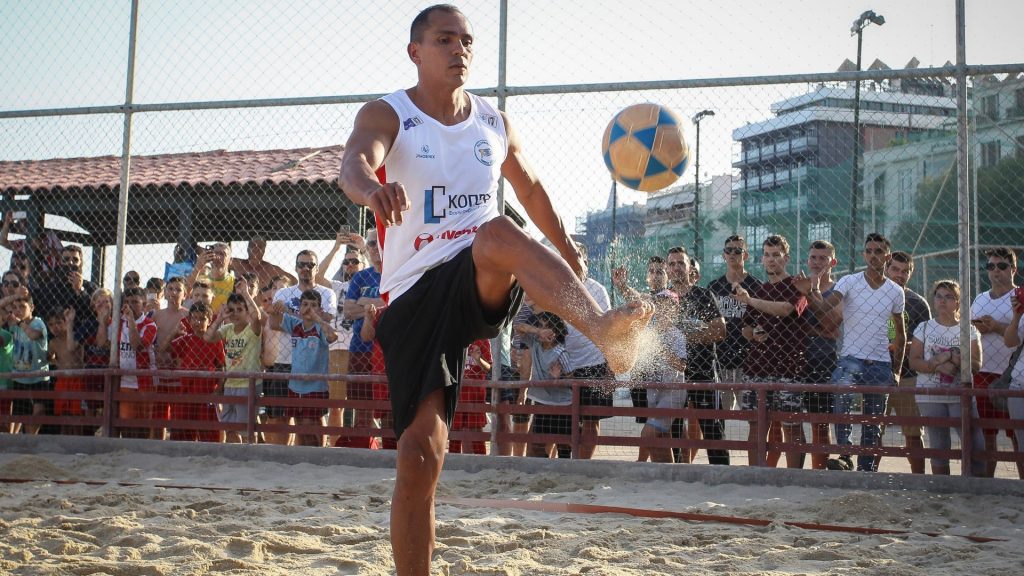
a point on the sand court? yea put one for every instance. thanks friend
(96, 506)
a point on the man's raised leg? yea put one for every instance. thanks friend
(502, 250)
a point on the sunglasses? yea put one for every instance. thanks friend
(993, 265)
(131, 280)
(350, 261)
(11, 284)
(731, 250)
(306, 265)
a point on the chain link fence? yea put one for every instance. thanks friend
(233, 116)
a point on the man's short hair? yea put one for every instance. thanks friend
(311, 295)
(876, 237)
(55, 313)
(1004, 252)
(72, 248)
(309, 253)
(655, 260)
(777, 241)
(824, 245)
(677, 250)
(236, 298)
(179, 279)
(155, 283)
(200, 284)
(903, 258)
(422, 20)
(736, 238)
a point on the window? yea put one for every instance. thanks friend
(755, 237)
(819, 231)
(906, 191)
(989, 108)
(989, 154)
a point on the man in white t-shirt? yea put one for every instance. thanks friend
(870, 301)
(991, 312)
(586, 362)
(291, 296)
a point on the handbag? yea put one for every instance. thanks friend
(1003, 382)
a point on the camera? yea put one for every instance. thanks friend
(1019, 293)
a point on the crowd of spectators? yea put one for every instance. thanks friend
(246, 315)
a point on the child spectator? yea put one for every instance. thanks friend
(29, 353)
(669, 366)
(154, 293)
(368, 333)
(545, 335)
(310, 335)
(137, 351)
(12, 281)
(239, 326)
(478, 367)
(191, 352)
(96, 336)
(66, 354)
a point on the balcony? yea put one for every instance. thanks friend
(771, 180)
(758, 207)
(779, 149)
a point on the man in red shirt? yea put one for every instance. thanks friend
(774, 325)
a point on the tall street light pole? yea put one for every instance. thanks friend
(697, 252)
(857, 29)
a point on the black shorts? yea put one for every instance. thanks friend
(24, 406)
(591, 395)
(425, 332)
(276, 388)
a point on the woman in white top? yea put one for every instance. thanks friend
(935, 355)
(1012, 337)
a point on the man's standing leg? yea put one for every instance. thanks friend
(420, 458)
(875, 374)
(847, 373)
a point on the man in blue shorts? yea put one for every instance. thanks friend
(427, 161)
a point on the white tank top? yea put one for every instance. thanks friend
(450, 174)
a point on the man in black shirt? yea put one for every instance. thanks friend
(733, 349)
(703, 324)
(68, 288)
(916, 310)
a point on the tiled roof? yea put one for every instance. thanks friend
(195, 168)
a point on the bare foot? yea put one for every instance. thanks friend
(619, 336)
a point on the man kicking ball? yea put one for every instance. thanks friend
(427, 161)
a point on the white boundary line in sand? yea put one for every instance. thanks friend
(635, 471)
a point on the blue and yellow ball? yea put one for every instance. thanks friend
(644, 147)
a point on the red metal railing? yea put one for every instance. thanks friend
(111, 423)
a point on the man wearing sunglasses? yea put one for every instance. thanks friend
(733, 350)
(990, 314)
(306, 270)
(68, 288)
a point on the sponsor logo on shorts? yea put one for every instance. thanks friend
(439, 203)
(411, 122)
(484, 152)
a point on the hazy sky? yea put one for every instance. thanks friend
(59, 53)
